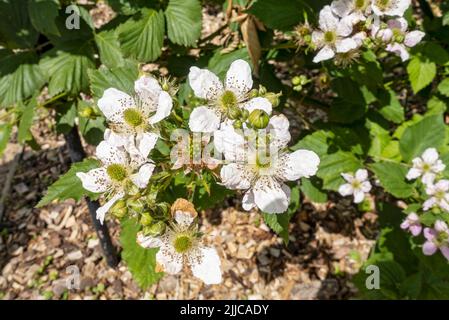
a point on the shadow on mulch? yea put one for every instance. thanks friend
(35, 172)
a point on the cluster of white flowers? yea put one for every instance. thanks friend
(130, 138)
(254, 145)
(357, 185)
(346, 25)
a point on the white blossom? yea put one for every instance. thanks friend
(393, 8)
(427, 166)
(132, 117)
(439, 195)
(261, 169)
(222, 98)
(357, 185)
(354, 10)
(333, 36)
(397, 37)
(180, 246)
(120, 168)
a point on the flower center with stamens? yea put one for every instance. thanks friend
(228, 100)
(356, 184)
(133, 117)
(263, 161)
(116, 172)
(330, 37)
(426, 167)
(360, 4)
(383, 4)
(442, 237)
(182, 243)
(440, 195)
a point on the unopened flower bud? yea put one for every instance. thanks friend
(234, 113)
(273, 98)
(262, 90)
(297, 88)
(245, 114)
(296, 80)
(146, 219)
(258, 119)
(135, 205)
(86, 112)
(254, 93)
(237, 124)
(119, 210)
(155, 229)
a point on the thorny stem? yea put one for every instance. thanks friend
(77, 154)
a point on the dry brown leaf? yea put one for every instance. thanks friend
(251, 39)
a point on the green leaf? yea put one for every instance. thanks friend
(312, 190)
(5, 133)
(142, 36)
(220, 63)
(20, 76)
(67, 67)
(443, 87)
(317, 142)
(121, 78)
(65, 116)
(69, 186)
(279, 222)
(429, 132)
(26, 119)
(92, 129)
(350, 104)
(333, 165)
(16, 30)
(436, 106)
(129, 7)
(183, 21)
(421, 73)
(141, 262)
(109, 48)
(391, 108)
(392, 177)
(278, 14)
(43, 14)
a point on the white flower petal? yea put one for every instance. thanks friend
(399, 50)
(204, 83)
(366, 186)
(413, 38)
(183, 218)
(342, 8)
(317, 38)
(233, 176)
(141, 178)
(148, 241)
(442, 185)
(328, 21)
(344, 28)
(361, 175)
(359, 195)
(109, 154)
(95, 180)
(164, 106)
(239, 78)
(101, 212)
(147, 87)
(115, 139)
(301, 163)
(258, 103)
(227, 139)
(248, 200)
(203, 119)
(270, 197)
(169, 259)
(430, 155)
(428, 178)
(413, 173)
(206, 265)
(348, 177)
(345, 45)
(113, 103)
(146, 142)
(325, 53)
(346, 189)
(429, 203)
(278, 128)
(399, 23)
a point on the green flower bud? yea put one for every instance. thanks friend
(297, 88)
(258, 119)
(254, 93)
(296, 80)
(146, 219)
(155, 229)
(237, 124)
(234, 113)
(135, 205)
(86, 112)
(119, 210)
(245, 114)
(262, 90)
(273, 98)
